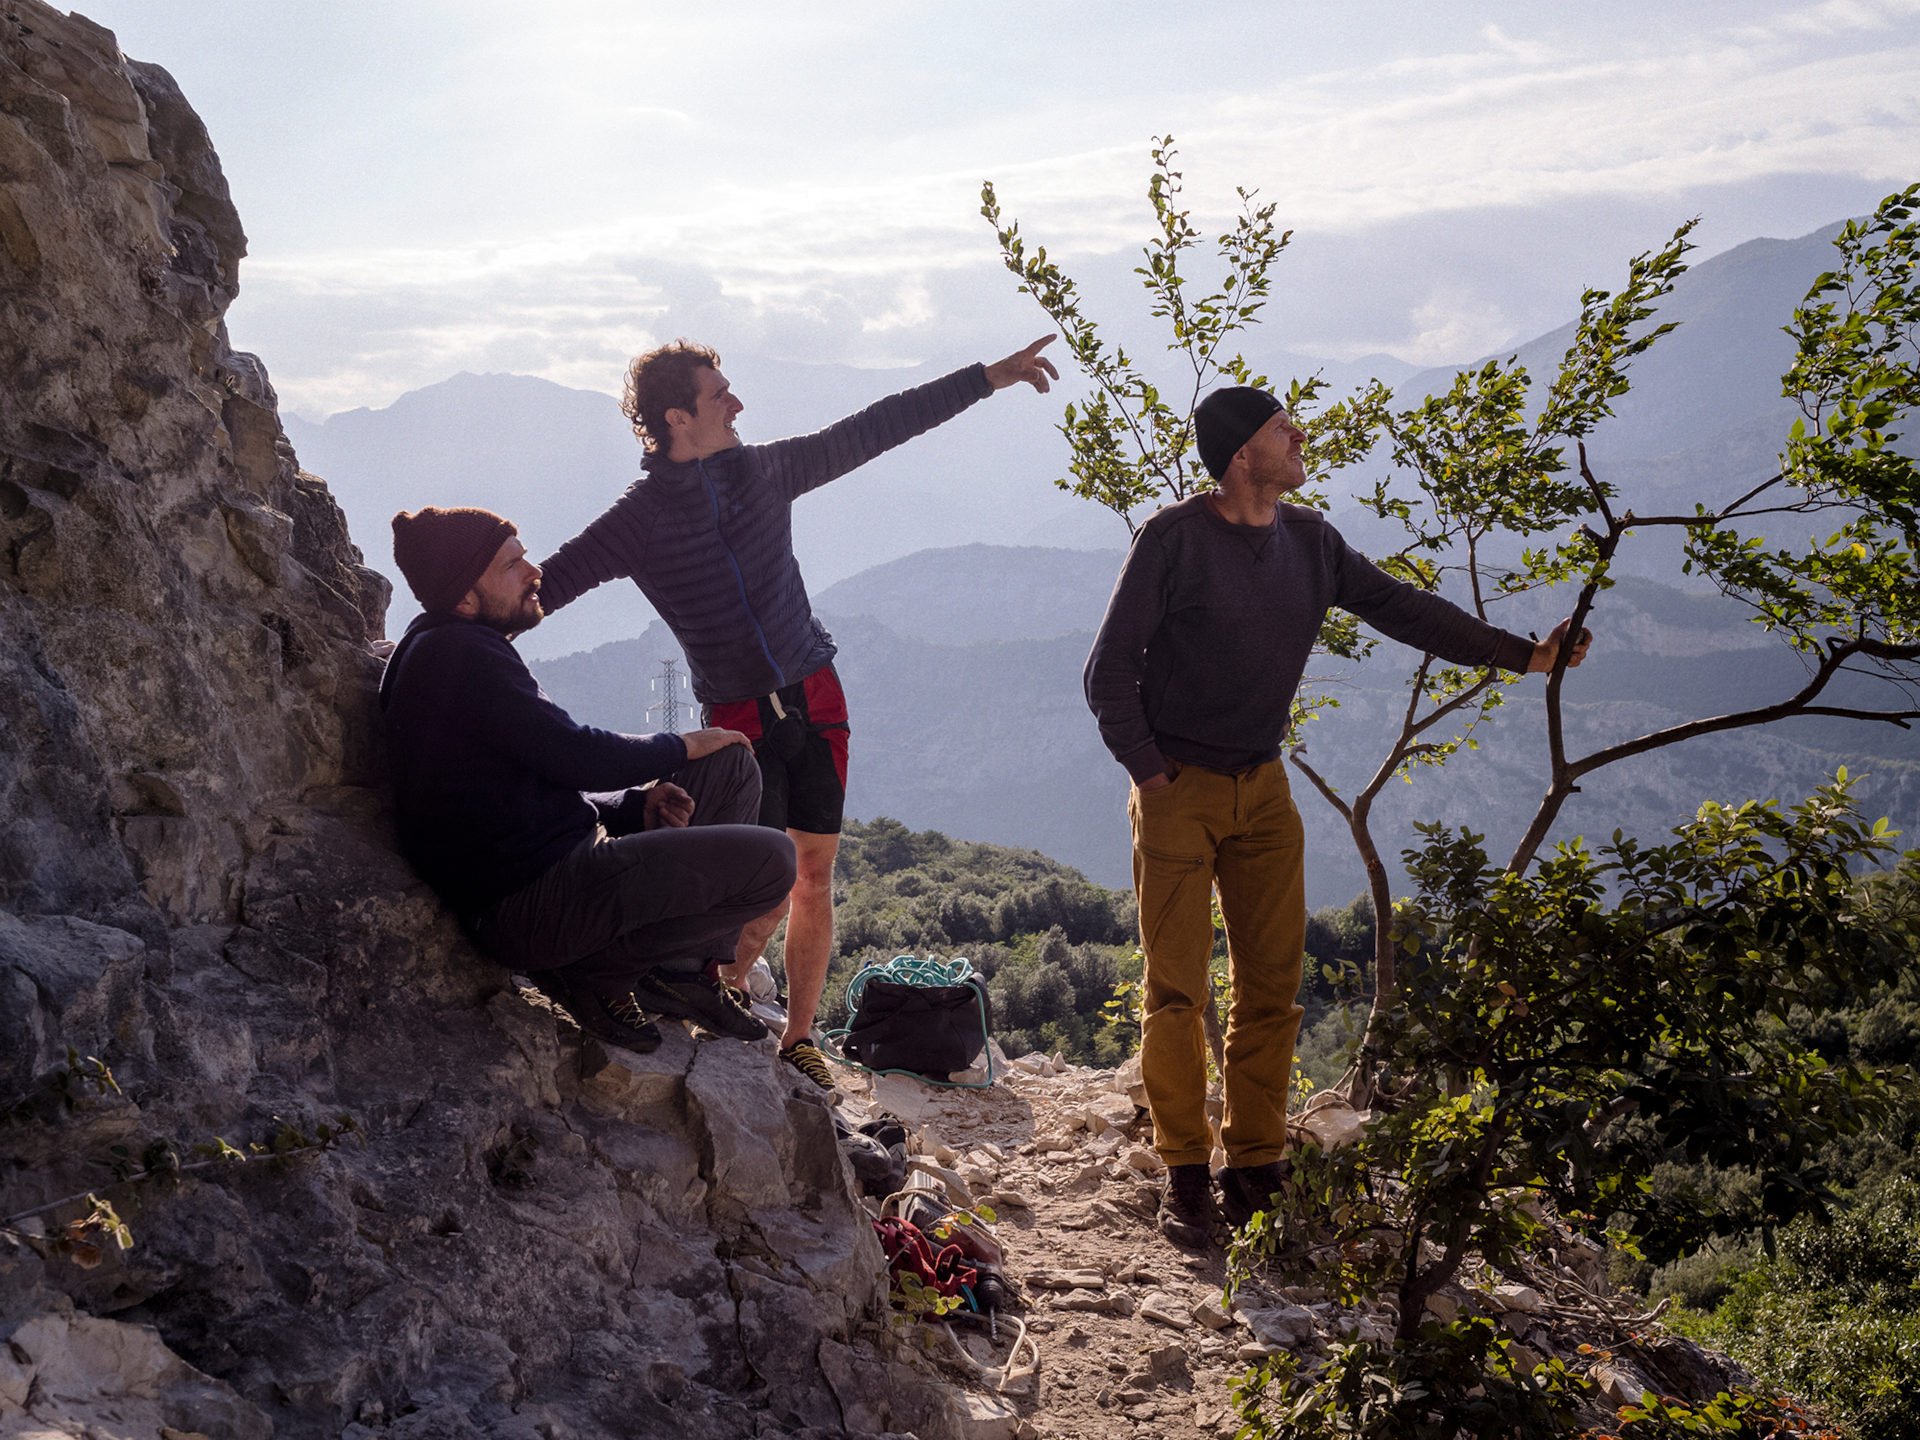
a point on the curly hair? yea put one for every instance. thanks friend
(663, 379)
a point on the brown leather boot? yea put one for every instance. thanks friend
(1247, 1188)
(1187, 1212)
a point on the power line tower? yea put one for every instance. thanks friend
(669, 685)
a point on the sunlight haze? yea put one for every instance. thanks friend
(437, 187)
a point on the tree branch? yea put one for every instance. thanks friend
(1799, 703)
(1593, 486)
(1327, 792)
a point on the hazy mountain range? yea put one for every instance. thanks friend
(1705, 411)
(964, 587)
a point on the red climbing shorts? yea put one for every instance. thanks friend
(799, 736)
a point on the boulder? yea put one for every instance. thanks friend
(68, 1374)
(1279, 1325)
(1521, 1298)
(1332, 1122)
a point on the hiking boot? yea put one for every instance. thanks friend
(810, 1060)
(694, 995)
(1245, 1189)
(613, 1018)
(1187, 1212)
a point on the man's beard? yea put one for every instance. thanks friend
(515, 621)
(1281, 478)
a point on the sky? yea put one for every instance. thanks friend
(432, 186)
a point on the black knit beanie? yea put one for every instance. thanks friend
(443, 553)
(1226, 420)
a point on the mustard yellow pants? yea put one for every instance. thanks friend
(1242, 833)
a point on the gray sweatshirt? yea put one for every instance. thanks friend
(1210, 625)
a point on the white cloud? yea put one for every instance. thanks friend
(1451, 324)
(1831, 18)
(606, 145)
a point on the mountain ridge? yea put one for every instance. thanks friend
(1703, 415)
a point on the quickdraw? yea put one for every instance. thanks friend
(944, 1271)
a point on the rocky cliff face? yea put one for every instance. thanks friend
(518, 1233)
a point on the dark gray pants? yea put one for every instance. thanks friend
(613, 908)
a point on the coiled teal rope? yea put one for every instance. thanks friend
(911, 970)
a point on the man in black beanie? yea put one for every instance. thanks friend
(617, 901)
(1192, 678)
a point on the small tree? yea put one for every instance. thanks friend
(1550, 996)
(1472, 469)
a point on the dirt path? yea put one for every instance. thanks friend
(1130, 1331)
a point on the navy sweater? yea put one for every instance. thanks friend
(1210, 625)
(710, 542)
(488, 772)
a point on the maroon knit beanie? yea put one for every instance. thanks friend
(1226, 420)
(443, 553)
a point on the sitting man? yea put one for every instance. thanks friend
(619, 902)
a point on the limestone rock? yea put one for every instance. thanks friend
(1212, 1314)
(1087, 1179)
(67, 1374)
(1108, 1112)
(525, 1234)
(1163, 1309)
(1523, 1298)
(1127, 1081)
(1285, 1325)
(986, 1417)
(1117, 1302)
(1066, 1279)
(1332, 1122)
(1000, 1200)
(1619, 1381)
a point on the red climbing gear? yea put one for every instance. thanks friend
(944, 1271)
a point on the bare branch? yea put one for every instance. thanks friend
(1593, 485)
(1327, 792)
(1799, 703)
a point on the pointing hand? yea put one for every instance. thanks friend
(1028, 365)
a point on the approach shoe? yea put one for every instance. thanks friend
(1187, 1212)
(613, 1018)
(1245, 1189)
(810, 1060)
(696, 996)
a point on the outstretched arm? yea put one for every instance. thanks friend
(1420, 618)
(807, 462)
(613, 547)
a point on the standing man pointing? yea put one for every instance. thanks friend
(1192, 679)
(707, 535)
